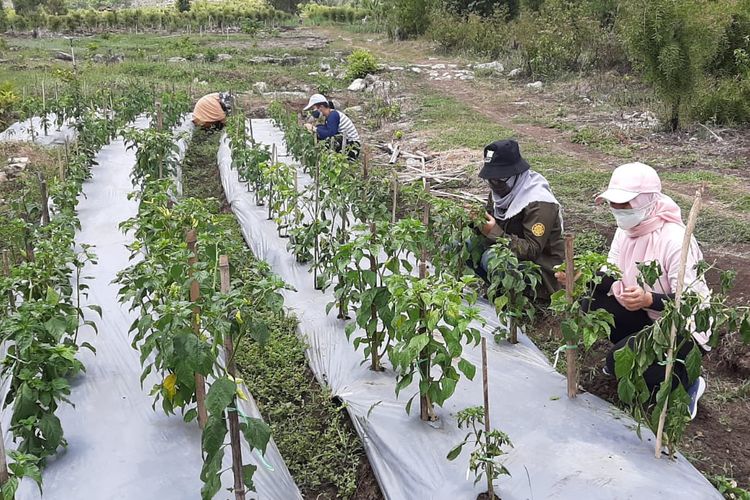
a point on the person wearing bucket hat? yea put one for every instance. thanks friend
(211, 110)
(522, 208)
(649, 228)
(337, 126)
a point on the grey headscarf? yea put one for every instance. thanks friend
(526, 187)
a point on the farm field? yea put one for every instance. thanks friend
(315, 243)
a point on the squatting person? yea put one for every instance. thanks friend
(649, 228)
(522, 208)
(211, 110)
(337, 126)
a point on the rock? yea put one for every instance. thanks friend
(438, 66)
(353, 110)
(370, 79)
(340, 74)
(494, 66)
(357, 85)
(3, 177)
(176, 60)
(288, 60)
(394, 68)
(98, 58)
(515, 72)
(260, 87)
(537, 85)
(325, 67)
(154, 57)
(313, 73)
(416, 70)
(199, 57)
(63, 56)
(281, 95)
(223, 57)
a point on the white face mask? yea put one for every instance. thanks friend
(628, 218)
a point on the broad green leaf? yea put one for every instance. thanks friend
(467, 368)
(455, 452)
(626, 390)
(624, 362)
(220, 395)
(257, 433)
(50, 426)
(693, 363)
(248, 471)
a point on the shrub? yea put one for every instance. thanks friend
(484, 37)
(407, 18)
(483, 8)
(360, 63)
(182, 5)
(9, 101)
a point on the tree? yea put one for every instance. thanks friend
(183, 5)
(671, 44)
(24, 7)
(484, 8)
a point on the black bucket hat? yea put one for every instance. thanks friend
(502, 159)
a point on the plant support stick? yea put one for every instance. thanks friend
(486, 389)
(427, 412)
(571, 351)
(692, 219)
(234, 424)
(195, 293)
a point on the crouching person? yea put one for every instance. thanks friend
(337, 127)
(211, 110)
(521, 208)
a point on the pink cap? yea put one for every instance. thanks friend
(630, 180)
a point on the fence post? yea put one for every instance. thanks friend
(195, 293)
(234, 424)
(571, 351)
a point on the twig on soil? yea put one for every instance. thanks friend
(716, 136)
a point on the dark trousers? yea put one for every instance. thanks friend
(629, 323)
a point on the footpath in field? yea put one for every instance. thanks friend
(118, 446)
(582, 448)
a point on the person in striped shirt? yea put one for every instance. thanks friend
(338, 127)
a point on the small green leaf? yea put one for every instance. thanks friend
(455, 452)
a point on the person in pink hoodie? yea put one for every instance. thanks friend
(649, 228)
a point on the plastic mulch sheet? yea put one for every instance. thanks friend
(23, 131)
(118, 446)
(581, 448)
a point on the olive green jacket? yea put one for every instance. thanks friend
(535, 235)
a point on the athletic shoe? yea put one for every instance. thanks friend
(696, 391)
(605, 371)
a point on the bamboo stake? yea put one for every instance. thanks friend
(195, 293)
(395, 199)
(486, 388)
(375, 349)
(692, 219)
(234, 424)
(571, 351)
(11, 295)
(427, 412)
(44, 199)
(4, 476)
(252, 137)
(317, 217)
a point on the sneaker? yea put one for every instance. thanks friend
(605, 371)
(696, 391)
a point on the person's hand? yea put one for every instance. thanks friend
(635, 298)
(309, 127)
(491, 223)
(562, 276)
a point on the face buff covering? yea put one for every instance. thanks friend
(628, 218)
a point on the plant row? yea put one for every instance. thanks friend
(209, 17)
(187, 314)
(41, 294)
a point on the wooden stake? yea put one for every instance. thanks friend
(375, 348)
(365, 171)
(234, 424)
(317, 217)
(692, 219)
(486, 389)
(4, 476)
(571, 351)
(11, 295)
(250, 122)
(44, 199)
(427, 412)
(395, 198)
(195, 293)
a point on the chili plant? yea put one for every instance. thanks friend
(155, 150)
(698, 314)
(488, 446)
(580, 324)
(512, 287)
(432, 321)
